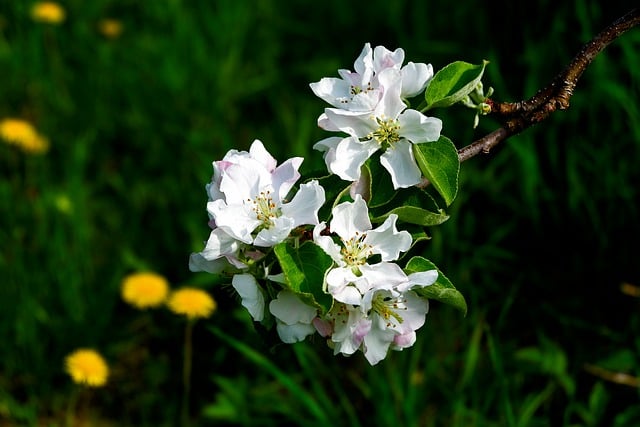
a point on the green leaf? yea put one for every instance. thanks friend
(304, 269)
(439, 163)
(413, 206)
(415, 215)
(442, 290)
(452, 83)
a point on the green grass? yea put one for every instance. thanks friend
(541, 236)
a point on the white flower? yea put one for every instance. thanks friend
(253, 208)
(252, 297)
(392, 314)
(220, 250)
(390, 127)
(361, 90)
(353, 275)
(293, 317)
(387, 318)
(224, 248)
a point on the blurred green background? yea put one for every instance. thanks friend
(542, 236)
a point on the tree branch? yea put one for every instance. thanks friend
(518, 116)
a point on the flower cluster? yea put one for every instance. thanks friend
(368, 105)
(344, 277)
(249, 209)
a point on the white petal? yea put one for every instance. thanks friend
(244, 181)
(387, 241)
(199, 263)
(332, 90)
(399, 161)
(233, 220)
(391, 104)
(303, 209)
(355, 123)
(350, 218)
(294, 333)
(290, 309)
(415, 78)
(259, 153)
(280, 230)
(285, 176)
(376, 344)
(384, 58)
(417, 128)
(419, 280)
(327, 244)
(350, 156)
(383, 275)
(252, 297)
(339, 286)
(363, 65)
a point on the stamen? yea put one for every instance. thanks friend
(387, 307)
(354, 251)
(265, 209)
(387, 134)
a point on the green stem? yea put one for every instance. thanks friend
(186, 371)
(71, 407)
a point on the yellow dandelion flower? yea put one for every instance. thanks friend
(143, 290)
(48, 12)
(110, 28)
(192, 303)
(87, 366)
(22, 134)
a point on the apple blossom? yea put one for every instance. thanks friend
(353, 275)
(390, 127)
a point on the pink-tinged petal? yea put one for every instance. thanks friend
(350, 218)
(387, 241)
(324, 327)
(304, 206)
(415, 78)
(350, 155)
(259, 153)
(384, 58)
(402, 341)
(417, 128)
(399, 161)
(252, 297)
